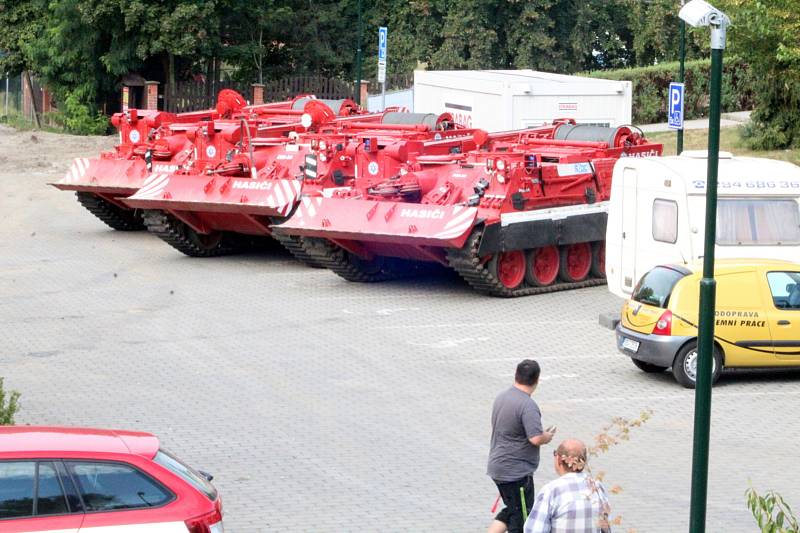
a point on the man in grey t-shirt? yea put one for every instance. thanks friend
(517, 435)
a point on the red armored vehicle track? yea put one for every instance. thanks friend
(156, 142)
(524, 213)
(202, 213)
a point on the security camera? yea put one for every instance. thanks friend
(701, 13)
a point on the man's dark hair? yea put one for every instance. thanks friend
(527, 372)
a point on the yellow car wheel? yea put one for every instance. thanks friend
(685, 366)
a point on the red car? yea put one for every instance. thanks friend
(65, 480)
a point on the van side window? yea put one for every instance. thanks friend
(743, 221)
(785, 289)
(665, 221)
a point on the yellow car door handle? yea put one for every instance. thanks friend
(783, 322)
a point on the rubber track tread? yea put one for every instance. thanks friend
(175, 233)
(113, 216)
(295, 246)
(336, 258)
(468, 264)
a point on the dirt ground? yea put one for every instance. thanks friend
(46, 153)
(29, 160)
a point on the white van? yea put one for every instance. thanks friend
(657, 213)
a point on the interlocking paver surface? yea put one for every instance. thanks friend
(326, 406)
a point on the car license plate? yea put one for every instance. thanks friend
(630, 344)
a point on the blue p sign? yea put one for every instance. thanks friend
(675, 106)
(382, 33)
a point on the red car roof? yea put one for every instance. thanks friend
(49, 439)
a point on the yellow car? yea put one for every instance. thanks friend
(757, 318)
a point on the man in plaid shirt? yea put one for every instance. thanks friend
(572, 503)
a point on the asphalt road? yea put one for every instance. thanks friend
(326, 406)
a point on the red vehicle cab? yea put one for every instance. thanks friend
(65, 480)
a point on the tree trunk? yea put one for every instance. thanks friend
(209, 76)
(33, 99)
(172, 87)
(261, 55)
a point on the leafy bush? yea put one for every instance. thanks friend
(650, 85)
(771, 512)
(8, 406)
(79, 117)
(765, 34)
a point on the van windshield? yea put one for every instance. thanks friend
(749, 221)
(656, 286)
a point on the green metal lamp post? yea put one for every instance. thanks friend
(682, 25)
(700, 13)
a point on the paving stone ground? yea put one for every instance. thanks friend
(326, 406)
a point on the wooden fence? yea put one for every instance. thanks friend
(194, 96)
(327, 88)
(197, 95)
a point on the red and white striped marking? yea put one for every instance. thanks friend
(153, 186)
(76, 172)
(284, 195)
(461, 221)
(308, 206)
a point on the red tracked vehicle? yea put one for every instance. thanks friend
(206, 213)
(155, 141)
(525, 213)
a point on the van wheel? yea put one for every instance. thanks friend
(647, 367)
(685, 366)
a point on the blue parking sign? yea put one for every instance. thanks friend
(675, 106)
(382, 34)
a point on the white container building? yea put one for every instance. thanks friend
(498, 100)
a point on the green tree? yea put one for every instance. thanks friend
(600, 36)
(771, 512)
(766, 35)
(654, 29)
(9, 405)
(470, 36)
(68, 55)
(415, 32)
(530, 41)
(20, 23)
(173, 30)
(255, 41)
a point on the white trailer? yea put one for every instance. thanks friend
(498, 100)
(657, 213)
